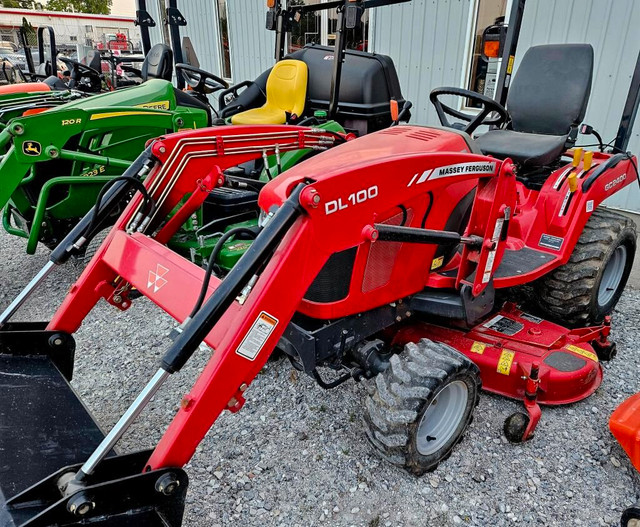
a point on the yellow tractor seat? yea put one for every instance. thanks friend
(286, 94)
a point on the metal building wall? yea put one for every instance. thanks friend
(426, 40)
(252, 46)
(155, 33)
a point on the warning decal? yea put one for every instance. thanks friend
(581, 351)
(255, 339)
(478, 347)
(505, 362)
(437, 262)
(504, 325)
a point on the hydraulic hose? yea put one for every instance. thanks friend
(212, 259)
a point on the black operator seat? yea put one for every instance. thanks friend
(547, 101)
(158, 64)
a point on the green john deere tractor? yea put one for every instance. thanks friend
(55, 162)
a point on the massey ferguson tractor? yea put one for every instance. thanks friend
(379, 260)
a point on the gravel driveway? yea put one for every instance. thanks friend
(297, 455)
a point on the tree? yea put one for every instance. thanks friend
(100, 7)
(21, 4)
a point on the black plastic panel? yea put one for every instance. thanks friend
(334, 279)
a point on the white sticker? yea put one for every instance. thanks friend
(590, 205)
(157, 278)
(564, 203)
(486, 276)
(255, 339)
(556, 185)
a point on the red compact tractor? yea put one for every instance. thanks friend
(380, 260)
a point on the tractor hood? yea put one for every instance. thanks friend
(156, 94)
(375, 148)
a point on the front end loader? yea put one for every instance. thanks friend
(57, 161)
(340, 277)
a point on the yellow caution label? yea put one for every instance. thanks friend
(160, 105)
(581, 351)
(437, 262)
(510, 65)
(478, 347)
(505, 362)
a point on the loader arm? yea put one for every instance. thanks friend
(316, 232)
(44, 137)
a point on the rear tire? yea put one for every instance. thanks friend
(402, 418)
(587, 288)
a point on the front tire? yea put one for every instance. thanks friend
(418, 409)
(631, 516)
(587, 288)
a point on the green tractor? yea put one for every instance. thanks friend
(56, 161)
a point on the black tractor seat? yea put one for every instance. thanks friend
(524, 149)
(547, 101)
(158, 64)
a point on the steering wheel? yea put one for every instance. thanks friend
(200, 80)
(487, 107)
(79, 70)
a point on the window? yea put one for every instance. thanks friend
(320, 28)
(483, 73)
(223, 27)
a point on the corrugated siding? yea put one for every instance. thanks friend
(426, 39)
(611, 27)
(155, 10)
(201, 28)
(251, 45)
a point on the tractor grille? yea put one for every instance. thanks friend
(334, 279)
(382, 256)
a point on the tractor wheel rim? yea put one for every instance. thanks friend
(612, 275)
(442, 417)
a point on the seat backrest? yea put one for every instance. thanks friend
(287, 86)
(158, 64)
(550, 91)
(94, 60)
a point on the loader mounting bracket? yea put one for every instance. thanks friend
(59, 346)
(118, 493)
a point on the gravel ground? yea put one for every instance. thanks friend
(297, 455)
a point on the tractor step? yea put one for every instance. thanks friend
(516, 264)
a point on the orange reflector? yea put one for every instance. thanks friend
(33, 111)
(394, 109)
(271, 3)
(492, 48)
(625, 427)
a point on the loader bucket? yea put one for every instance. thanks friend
(625, 426)
(44, 426)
